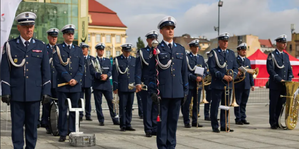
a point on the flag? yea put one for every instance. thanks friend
(8, 12)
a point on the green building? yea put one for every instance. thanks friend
(55, 13)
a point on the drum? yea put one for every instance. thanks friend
(54, 118)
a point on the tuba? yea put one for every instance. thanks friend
(291, 106)
(253, 72)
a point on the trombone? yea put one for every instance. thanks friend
(229, 72)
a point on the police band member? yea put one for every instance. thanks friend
(279, 69)
(102, 71)
(52, 39)
(144, 59)
(242, 89)
(69, 63)
(86, 82)
(25, 74)
(220, 61)
(193, 59)
(173, 86)
(123, 74)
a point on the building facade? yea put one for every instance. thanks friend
(105, 27)
(293, 45)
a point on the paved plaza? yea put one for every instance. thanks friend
(257, 135)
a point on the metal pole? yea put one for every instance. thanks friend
(218, 19)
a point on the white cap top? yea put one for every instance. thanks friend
(26, 18)
(167, 21)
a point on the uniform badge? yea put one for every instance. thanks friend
(15, 60)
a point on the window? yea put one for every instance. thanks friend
(117, 53)
(108, 38)
(98, 38)
(117, 38)
(108, 54)
(88, 37)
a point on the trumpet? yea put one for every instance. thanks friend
(132, 86)
(253, 72)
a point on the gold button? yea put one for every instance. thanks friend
(27, 69)
(26, 55)
(27, 77)
(71, 74)
(26, 62)
(37, 55)
(174, 75)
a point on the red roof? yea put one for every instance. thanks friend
(103, 16)
(266, 42)
(258, 55)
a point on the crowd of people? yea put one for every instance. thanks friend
(163, 75)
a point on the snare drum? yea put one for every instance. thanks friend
(54, 118)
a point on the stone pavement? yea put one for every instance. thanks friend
(257, 135)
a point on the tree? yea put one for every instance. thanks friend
(140, 43)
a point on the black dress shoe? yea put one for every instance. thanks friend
(154, 133)
(141, 117)
(194, 125)
(123, 129)
(116, 123)
(102, 124)
(81, 119)
(245, 122)
(38, 125)
(239, 123)
(207, 119)
(187, 125)
(148, 134)
(130, 129)
(228, 130)
(216, 130)
(89, 119)
(62, 139)
(274, 127)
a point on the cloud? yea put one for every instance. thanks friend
(198, 18)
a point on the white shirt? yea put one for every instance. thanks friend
(23, 40)
(51, 46)
(100, 57)
(280, 52)
(167, 43)
(68, 44)
(194, 54)
(243, 58)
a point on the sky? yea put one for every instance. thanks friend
(267, 19)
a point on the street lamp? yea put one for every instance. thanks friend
(220, 4)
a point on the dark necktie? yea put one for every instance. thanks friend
(281, 54)
(100, 60)
(69, 47)
(27, 44)
(169, 45)
(53, 48)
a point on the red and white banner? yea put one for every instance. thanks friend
(8, 12)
